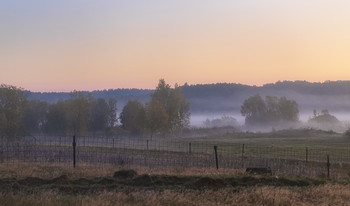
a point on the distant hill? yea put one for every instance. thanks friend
(122, 95)
(222, 98)
(332, 95)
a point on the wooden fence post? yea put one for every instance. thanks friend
(147, 144)
(216, 156)
(307, 154)
(74, 147)
(242, 150)
(328, 166)
(189, 148)
(7, 153)
(243, 156)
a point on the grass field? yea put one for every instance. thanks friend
(170, 177)
(302, 152)
(32, 184)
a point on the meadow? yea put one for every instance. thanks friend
(34, 184)
(178, 170)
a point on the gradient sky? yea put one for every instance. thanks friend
(88, 44)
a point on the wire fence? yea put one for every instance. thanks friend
(332, 161)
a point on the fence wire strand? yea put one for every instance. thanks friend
(165, 153)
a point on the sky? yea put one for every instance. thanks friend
(107, 44)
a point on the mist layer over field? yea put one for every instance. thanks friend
(197, 119)
(213, 101)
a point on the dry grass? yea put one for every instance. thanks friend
(320, 195)
(21, 170)
(328, 194)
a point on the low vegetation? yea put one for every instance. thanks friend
(144, 186)
(224, 121)
(325, 121)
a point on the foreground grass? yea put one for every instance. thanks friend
(22, 170)
(328, 194)
(33, 184)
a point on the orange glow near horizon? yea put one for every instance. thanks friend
(95, 46)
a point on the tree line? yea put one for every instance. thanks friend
(214, 90)
(225, 97)
(167, 111)
(82, 114)
(269, 111)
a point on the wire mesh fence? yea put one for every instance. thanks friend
(171, 153)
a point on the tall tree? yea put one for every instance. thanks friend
(175, 104)
(78, 112)
(35, 116)
(157, 117)
(254, 109)
(12, 105)
(98, 118)
(272, 110)
(162, 92)
(57, 118)
(288, 109)
(133, 117)
(178, 110)
(112, 112)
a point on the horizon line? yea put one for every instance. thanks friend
(185, 84)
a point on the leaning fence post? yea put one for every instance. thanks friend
(74, 147)
(216, 156)
(307, 154)
(328, 165)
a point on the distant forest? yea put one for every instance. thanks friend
(228, 97)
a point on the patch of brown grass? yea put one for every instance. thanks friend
(23, 169)
(329, 194)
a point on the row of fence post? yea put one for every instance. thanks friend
(190, 149)
(74, 144)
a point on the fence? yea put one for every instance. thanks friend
(160, 153)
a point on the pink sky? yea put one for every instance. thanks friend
(90, 45)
